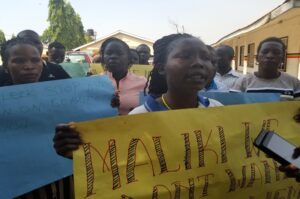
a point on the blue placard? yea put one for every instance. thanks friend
(28, 116)
(242, 98)
(235, 98)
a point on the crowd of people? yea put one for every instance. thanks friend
(183, 67)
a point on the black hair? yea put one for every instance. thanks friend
(6, 46)
(271, 39)
(133, 50)
(28, 34)
(113, 39)
(143, 45)
(32, 36)
(56, 45)
(228, 49)
(213, 56)
(161, 47)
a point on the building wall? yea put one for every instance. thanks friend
(285, 25)
(131, 41)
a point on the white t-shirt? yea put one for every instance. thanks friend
(145, 108)
(229, 78)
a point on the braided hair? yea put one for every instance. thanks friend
(6, 46)
(161, 47)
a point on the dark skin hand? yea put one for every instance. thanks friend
(290, 170)
(66, 140)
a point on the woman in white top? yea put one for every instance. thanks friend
(182, 64)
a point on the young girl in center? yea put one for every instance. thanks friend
(182, 65)
(116, 59)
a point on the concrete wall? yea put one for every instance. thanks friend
(285, 25)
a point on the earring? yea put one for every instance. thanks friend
(282, 65)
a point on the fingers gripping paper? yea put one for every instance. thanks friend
(196, 153)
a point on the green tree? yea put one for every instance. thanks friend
(65, 25)
(88, 38)
(2, 37)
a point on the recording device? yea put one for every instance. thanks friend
(277, 148)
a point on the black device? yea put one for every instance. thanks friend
(277, 148)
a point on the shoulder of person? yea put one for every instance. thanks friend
(247, 78)
(2, 72)
(136, 77)
(138, 110)
(221, 87)
(236, 73)
(57, 70)
(136, 80)
(53, 65)
(242, 82)
(214, 103)
(287, 76)
(5, 79)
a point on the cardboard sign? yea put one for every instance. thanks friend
(28, 116)
(193, 153)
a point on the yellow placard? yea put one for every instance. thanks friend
(194, 153)
(96, 69)
(141, 70)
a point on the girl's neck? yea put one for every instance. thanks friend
(175, 100)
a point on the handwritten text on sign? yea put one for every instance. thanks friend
(28, 116)
(199, 153)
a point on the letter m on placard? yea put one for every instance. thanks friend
(109, 162)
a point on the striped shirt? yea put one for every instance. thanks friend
(285, 84)
(229, 78)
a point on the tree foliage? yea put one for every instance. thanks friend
(2, 37)
(65, 25)
(88, 38)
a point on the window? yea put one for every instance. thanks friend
(283, 66)
(242, 48)
(236, 57)
(251, 56)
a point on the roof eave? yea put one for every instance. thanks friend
(110, 35)
(287, 5)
